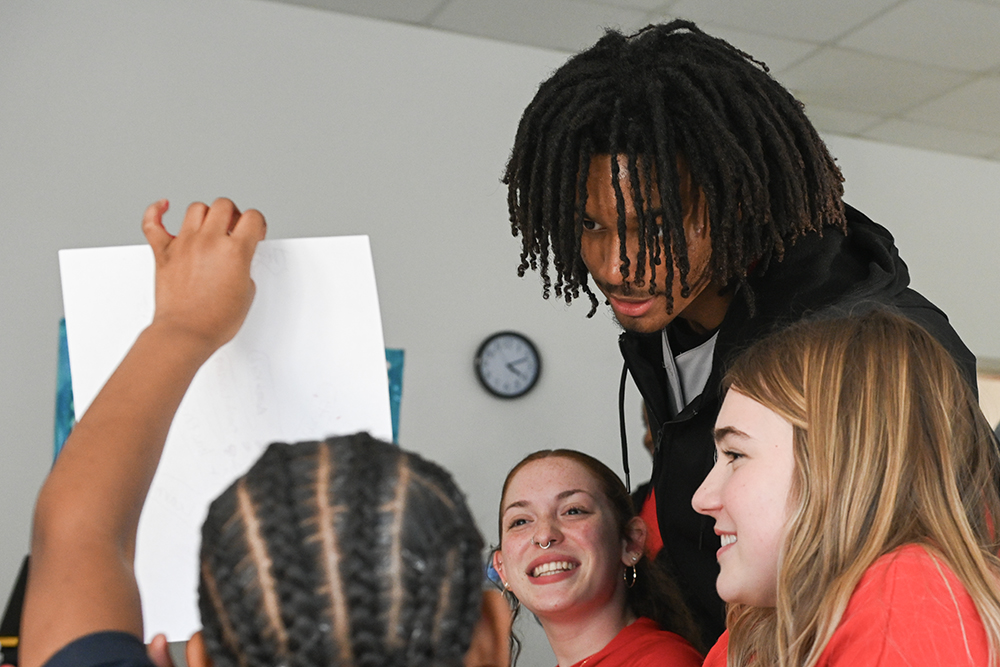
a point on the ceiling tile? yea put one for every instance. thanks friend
(556, 24)
(644, 5)
(974, 107)
(406, 11)
(943, 33)
(932, 137)
(810, 20)
(839, 121)
(778, 54)
(854, 81)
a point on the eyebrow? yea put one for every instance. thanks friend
(721, 434)
(560, 496)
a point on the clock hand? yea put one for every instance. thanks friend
(513, 369)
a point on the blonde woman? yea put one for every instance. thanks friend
(855, 494)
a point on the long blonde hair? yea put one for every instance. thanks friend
(890, 448)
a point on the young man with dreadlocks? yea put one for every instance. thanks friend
(670, 168)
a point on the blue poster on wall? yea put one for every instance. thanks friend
(66, 419)
(65, 414)
(394, 366)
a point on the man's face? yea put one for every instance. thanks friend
(600, 248)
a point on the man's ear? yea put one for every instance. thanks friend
(634, 543)
(196, 653)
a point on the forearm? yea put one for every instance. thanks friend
(89, 507)
(105, 469)
(81, 578)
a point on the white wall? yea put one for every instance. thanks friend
(338, 125)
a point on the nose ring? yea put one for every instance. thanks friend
(540, 546)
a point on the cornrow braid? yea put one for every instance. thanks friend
(669, 92)
(347, 552)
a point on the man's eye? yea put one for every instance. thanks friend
(589, 224)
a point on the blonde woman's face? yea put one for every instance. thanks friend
(746, 493)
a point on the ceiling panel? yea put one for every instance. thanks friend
(811, 20)
(645, 5)
(934, 138)
(406, 11)
(974, 107)
(777, 53)
(855, 81)
(941, 33)
(562, 24)
(839, 121)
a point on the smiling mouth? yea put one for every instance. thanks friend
(727, 539)
(555, 567)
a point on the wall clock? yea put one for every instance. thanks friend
(507, 364)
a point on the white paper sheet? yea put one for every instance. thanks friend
(309, 362)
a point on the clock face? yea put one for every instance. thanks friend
(508, 364)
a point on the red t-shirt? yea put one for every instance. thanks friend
(908, 610)
(644, 644)
(654, 542)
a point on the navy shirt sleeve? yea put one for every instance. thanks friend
(102, 649)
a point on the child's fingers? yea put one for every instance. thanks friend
(194, 217)
(221, 216)
(251, 227)
(152, 226)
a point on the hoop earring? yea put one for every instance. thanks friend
(630, 580)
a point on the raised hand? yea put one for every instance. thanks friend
(203, 285)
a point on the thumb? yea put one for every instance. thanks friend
(159, 652)
(152, 226)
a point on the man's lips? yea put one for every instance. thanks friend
(631, 307)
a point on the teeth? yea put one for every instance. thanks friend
(555, 567)
(727, 539)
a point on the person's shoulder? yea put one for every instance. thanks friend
(719, 653)
(102, 649)
(648, 646)
(908, 563)
(908, 608)
(911, 581)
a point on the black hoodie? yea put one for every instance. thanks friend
(853, 272)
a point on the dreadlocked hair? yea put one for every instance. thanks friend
(665, 94)
(347, 552)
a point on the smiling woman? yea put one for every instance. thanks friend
(571, 552)
(855, 494)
